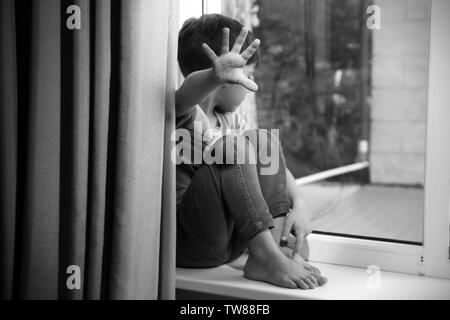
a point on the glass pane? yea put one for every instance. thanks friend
(343, 93)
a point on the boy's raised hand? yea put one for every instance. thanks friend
(228, 68)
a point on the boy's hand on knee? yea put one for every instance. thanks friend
(228, 67)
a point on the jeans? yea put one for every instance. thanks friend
(226, 205)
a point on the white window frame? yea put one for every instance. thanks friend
(432, 258)
(437, 161)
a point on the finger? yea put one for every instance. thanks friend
(209, 52)
(240, 41)
(291, 241)
(225, 40)
(251, 49)
(248, 84)
(309, 282)
(299, 242)
(305, 247)
(286, 231)
(301, 284)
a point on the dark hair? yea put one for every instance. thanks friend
(207, 29)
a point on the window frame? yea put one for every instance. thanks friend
(432, 258)
(436, 242)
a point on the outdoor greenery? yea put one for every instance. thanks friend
(312, 81)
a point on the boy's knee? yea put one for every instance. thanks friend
(263, 138)
(268, 149)
(235, 149)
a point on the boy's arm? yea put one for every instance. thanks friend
(227, 68)
(294, 194)
(196, 87)
(298, 219)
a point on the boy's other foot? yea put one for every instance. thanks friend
(267, 263)
(320, 279)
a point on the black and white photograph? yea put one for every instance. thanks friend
(242, 151)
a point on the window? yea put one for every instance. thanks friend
(351, 107)
(361, 114)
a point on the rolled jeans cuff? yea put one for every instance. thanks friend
(280, 209)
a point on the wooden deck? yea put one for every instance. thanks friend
(388, 212)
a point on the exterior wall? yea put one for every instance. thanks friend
(399, 92)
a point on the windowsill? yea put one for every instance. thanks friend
(343, 283)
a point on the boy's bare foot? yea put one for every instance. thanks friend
(267, 263)
(302, 256)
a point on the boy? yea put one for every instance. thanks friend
(224, 208)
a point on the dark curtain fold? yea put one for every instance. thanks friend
(86, 176)
(8, 145)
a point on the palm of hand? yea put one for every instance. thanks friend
(228, 67)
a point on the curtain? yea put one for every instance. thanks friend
(86, 113)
